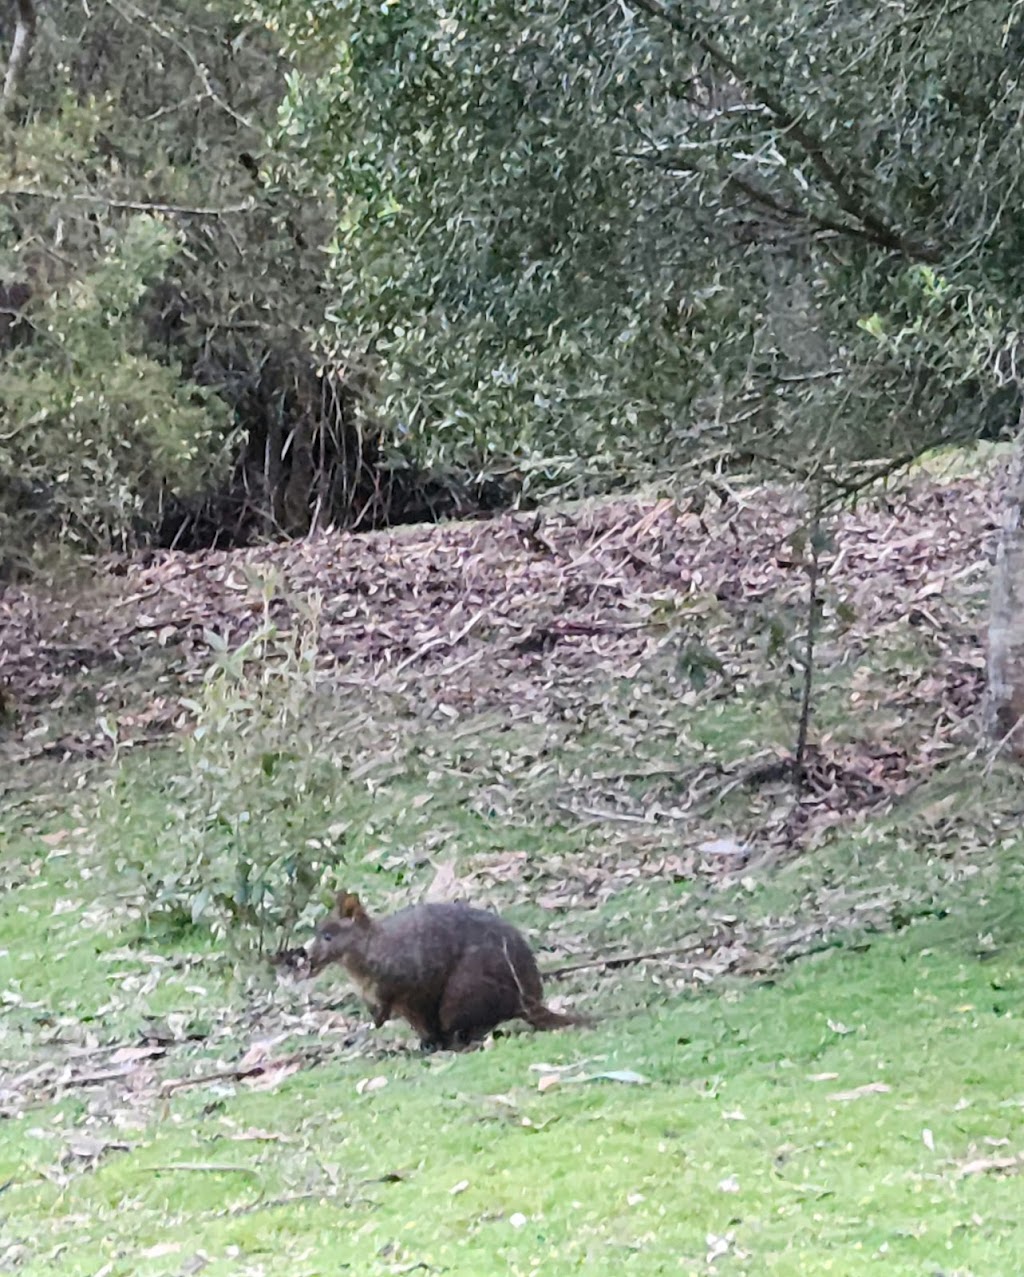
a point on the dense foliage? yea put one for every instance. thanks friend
(595, 230)
(157, 283)
(581, 240)
(95, 426)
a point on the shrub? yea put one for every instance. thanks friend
(241, 833)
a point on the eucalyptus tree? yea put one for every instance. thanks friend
(157, 286)
(592, 233)
(604, 230)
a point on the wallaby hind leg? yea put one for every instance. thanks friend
(481, 992)
(425, 1023)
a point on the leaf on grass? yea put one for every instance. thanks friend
(723, 847)
(129, 1054)
(718, 1246)
(90, 1149)
(256, 1054)
(618, 1075)
(445, 885)
(858, 1092)
(508, 866)
(990, 1165)
(254, 1134)
(367, 1085)
(627, 1076)
(56, 838)
(552, 900)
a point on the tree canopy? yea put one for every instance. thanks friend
(591, 240)
(646, 229)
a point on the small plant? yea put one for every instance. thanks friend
(255, 799)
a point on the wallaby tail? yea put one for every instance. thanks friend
(541, 1017)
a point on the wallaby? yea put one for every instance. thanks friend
(452, 971)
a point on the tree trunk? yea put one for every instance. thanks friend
(24, 34)
(1004, 707)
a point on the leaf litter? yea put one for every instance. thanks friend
(511, 649)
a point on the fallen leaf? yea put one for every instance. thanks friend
(618, 1075)
(367, 1085)
(56, 838)
(986, 1165)
(723, 847)
(89, 1148)
(858, 1092)
(445, 886)
(254, 1134)
(256, 1054)
(128, 1054)
(717, 1246)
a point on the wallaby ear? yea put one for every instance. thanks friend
(349, 905)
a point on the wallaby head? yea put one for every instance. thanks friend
(343, 930)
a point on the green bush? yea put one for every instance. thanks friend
(252, 815)
(93, 431)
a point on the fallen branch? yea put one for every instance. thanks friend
(240, 1073)
(215, 1167)
(441, 640)
(624, 960)
(128, 206)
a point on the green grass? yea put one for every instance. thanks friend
(736, 1133)
(812, 1116)
(734, 1142)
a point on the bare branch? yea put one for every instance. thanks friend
(21, 49)
(814, 608)
(131, 206)
(846, 190)
(129, 12)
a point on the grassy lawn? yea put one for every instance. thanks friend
(849, 1113)
(806, 1055)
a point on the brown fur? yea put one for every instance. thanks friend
(451, 971)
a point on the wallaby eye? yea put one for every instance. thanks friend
(328, 933)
